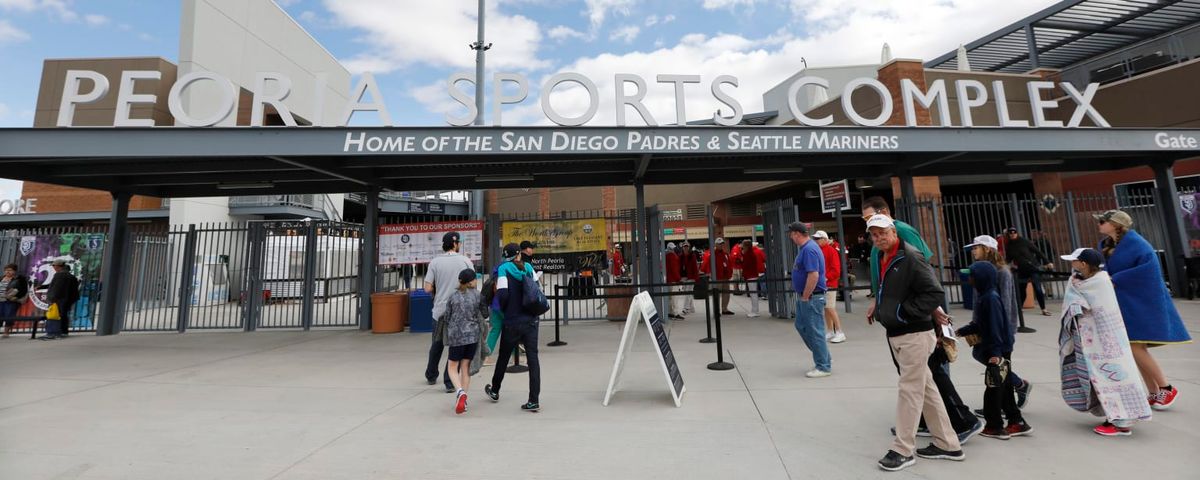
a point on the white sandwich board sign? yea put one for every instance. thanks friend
(642, 311)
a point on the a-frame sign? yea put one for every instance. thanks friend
(642, 311)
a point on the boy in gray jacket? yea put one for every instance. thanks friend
(464, 312)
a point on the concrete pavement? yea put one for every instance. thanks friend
(345, 404)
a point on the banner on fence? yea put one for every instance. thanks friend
(83, 253)
(562, 245)
(410, 243)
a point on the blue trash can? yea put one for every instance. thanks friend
(420, 312)
(968, 292)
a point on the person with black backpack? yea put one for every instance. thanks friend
(14, 290)
(521, 301)
(63, 292)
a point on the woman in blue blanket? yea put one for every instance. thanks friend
(1150, 316)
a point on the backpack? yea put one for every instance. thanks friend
(489, 292)
(533, 300)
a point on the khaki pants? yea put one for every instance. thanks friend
(919, 395)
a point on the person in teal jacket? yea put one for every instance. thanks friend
(496, 319)
(910, 235)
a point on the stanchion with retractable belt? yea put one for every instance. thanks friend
(557, 319)
(720, 364)
(701, 287)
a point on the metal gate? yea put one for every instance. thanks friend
(780, 250)
(1056, 224)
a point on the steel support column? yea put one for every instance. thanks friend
(111, 293)
(1031, 44)
(310, 276)
(368, 259)
(641, 231)
(1167, 196)
(908, 197)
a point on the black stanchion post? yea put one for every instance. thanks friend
(720, 364)
(708, 338)
(557, 340)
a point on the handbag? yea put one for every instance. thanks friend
(52, 313)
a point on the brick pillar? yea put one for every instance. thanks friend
(493, 201)
(924, 188)
(608, 201)
(544, 203)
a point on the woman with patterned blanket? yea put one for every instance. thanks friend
(1099, 374)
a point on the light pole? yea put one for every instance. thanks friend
(476, 201)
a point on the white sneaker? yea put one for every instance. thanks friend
(838, 337)
(752, 315)
(828, 336)
(817, 373)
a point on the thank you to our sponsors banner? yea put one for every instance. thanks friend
(562, 245)
(413, 243)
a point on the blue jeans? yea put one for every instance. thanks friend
(810, 323)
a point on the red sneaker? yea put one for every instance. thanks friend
(1018, 429)
(1110, 430)
(1164, 398)
(462, 404)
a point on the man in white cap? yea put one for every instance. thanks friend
(833, 274)
(908, 295)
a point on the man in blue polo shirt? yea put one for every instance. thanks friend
(808, 279)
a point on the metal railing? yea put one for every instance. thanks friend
(1172, 48)
(318, 202)
(444, 196)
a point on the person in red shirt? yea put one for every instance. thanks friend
(735, 261)
(833, 275)
(691, 273)
(724, 271)
(750, 264)
(674, 277)
(618, 262)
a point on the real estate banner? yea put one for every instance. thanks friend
(411, 243)
(562, 245)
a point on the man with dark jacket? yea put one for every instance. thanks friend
(907, 297)
(1028, 260)
(63, 291)
(520, 328)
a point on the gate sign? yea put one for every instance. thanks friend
(412, 243)
(835, 195)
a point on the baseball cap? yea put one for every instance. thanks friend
(880, 221)
(821, 234)
(1086, 255)
(467, 275)
(798, 227)
(986, 241)
(449, 239)
(511, 250)
(1011, 230)
(527, 244)
(670, 245)
(1115, 216)
(720, 241)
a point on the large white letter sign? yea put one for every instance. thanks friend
(911, 95)
(367, 83)
(225, 105)
(586, 83)
(966, 102)
(461, 97)
(634, 100)
(499, 99)
(126, 98)
(1002, 106)
(680, 100)
(1039, 106)
(885, 102)
(275, 100)
(1084, 100)
(727, 99)
(72, 96)
(794, 89)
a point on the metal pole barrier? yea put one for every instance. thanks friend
(844, 281)
(557, 298)
(720, 364)
(708, 338)
(516, 367)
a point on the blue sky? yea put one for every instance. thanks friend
(412, 46)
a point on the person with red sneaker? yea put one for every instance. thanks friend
(992, 340)
(464, 315)
(1150, 315)
(1099, 374)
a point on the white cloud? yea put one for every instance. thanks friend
(308, 16)
(563, 32)
(11, 34)
(4, 111)
(836, 32)
(718, 4)
(60, 8)
(598, 10)
(95, 20)
(626, 34)
(145, 37)
(399, 33)
(668, 19)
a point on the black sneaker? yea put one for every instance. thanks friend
(450, 389)
(974, 430)
(1023, 393)
(49, 337)
(922, 431)
(494, 395)
(531, 407)
(933, 452)
(431, 381)
(894, 462)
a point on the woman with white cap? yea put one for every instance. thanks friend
(986, 248)
(1099, 373)
(1149, 313)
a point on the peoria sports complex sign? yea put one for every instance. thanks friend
(271, 88)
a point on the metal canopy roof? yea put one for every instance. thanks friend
(1072, 31)
(181, 162)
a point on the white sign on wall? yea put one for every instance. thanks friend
(413, 243)
(18, 206)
